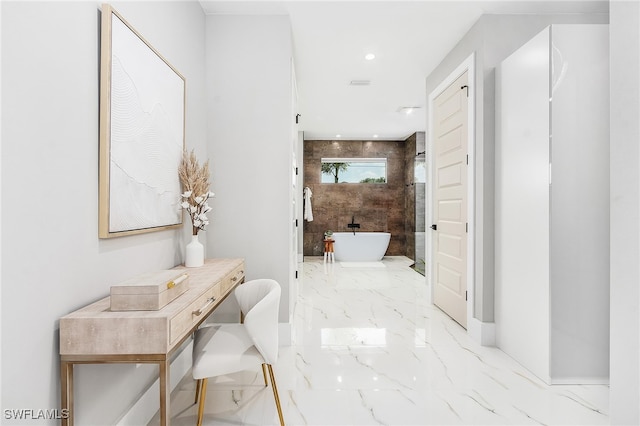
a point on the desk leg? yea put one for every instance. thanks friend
(66, 396)
(165, 392)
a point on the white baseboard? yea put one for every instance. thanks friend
(484, 333)
(581, 381)
(146, 407)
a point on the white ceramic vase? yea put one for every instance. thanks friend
(194, 253)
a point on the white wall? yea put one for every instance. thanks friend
(52, 259)
(625, 213)
(250, 145)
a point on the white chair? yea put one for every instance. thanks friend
(228, 348)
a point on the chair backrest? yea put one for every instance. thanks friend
(259, 301)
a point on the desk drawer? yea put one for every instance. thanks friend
(199, 309)
(231, 280)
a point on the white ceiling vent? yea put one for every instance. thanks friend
(360, 83)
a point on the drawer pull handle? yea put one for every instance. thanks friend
(201, 310)
(234, 278)
(172, 284)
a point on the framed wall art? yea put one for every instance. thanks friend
(142, 127)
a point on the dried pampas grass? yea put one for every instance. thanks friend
(193, 177)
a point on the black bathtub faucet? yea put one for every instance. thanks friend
(353, 225)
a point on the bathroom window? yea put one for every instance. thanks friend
(354, 170)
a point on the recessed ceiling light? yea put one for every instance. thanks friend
(408, 110)
(338, 136)
(369, 56)
(375, 136)
(359, 82)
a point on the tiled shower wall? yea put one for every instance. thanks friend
(376, 207)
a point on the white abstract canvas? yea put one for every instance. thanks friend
(146, 129)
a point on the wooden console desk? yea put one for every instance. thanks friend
(96, 335)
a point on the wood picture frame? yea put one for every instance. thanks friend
(142, 133)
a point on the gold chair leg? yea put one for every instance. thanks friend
(198, 384)
(275, 394)
(264, 374)
(203, 396)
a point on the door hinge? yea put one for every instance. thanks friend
(466, 227)
(296, 223)
(296, 274)
(465, 296)
(467, 159)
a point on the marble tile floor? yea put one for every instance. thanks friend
(369, 348)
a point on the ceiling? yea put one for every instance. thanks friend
(408, 38)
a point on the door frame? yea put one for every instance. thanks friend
(467, 65)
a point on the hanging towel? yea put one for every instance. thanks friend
(308, 214)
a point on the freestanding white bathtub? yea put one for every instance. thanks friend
(361, 247)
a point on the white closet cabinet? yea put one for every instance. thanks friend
(552, 204)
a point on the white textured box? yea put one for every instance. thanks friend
(149, 292)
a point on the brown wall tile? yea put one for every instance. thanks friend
(376, 207)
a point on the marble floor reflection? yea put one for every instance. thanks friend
(369, 348)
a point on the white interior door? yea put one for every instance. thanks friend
(450, 110)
